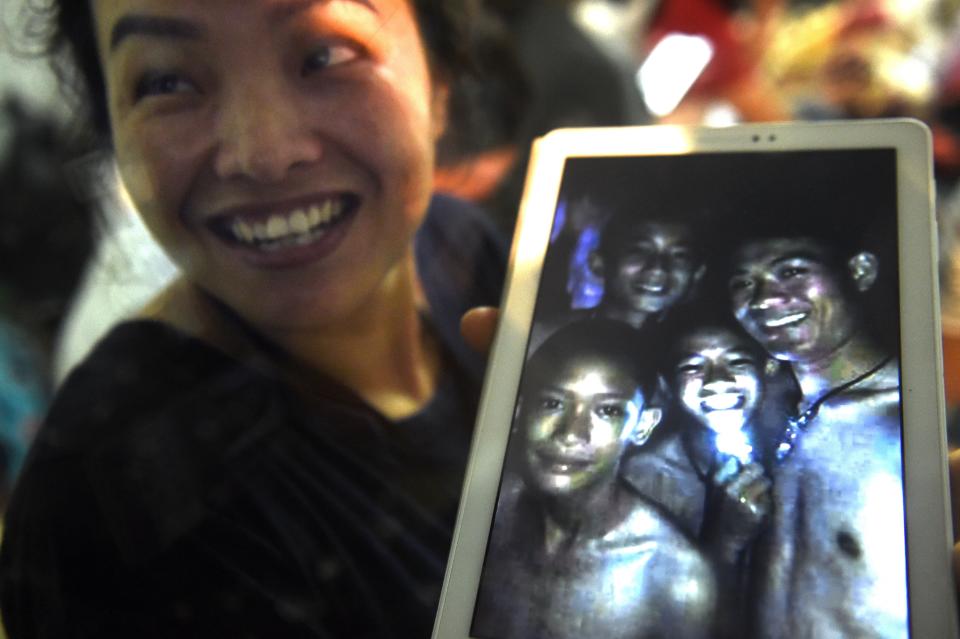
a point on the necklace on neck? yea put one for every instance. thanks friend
(797, 425)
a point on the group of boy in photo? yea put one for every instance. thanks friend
(713, 450)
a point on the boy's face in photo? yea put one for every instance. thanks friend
(788, 297)
(717, 378)
(576, 421)
(654, 268)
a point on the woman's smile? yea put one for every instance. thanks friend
(290, 233)
(282, 155)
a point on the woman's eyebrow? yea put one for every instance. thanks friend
(157, 26)
(289, 9)
(179, 28)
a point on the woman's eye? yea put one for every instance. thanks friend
(742, 362)
(164, 83)
(328, 56)
(740, 284)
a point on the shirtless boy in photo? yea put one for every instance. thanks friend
(650, 264)
(704, 468)
(705, 450)
(576, 552)
(835, 563)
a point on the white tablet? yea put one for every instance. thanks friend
(714, 404)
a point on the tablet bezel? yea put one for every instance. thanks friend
(927, 510)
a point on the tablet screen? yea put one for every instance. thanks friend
(707, 435)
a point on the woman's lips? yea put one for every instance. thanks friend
(288, 235)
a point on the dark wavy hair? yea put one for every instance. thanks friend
(465, 46)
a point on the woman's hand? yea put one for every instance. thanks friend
(478, 326)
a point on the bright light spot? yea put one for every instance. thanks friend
(910, 75)
(598, 17)
(671, 69)
(590, 383)
(735, 442)
(721, 114)
(686, 589)
(626, 574)
(906, 11)
(884, 548)
(123, 195)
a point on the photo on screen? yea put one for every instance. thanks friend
(707, 435)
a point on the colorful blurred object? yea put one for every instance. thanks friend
(857, 59)
(23, 400)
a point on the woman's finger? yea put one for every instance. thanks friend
(478, 326)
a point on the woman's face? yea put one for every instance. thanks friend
(280, 150)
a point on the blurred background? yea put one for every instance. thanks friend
(74, 259)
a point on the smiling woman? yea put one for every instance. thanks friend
(276, 446)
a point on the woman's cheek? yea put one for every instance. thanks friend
(165, 155)
(144, 180)
(156, 182)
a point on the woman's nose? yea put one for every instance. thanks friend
(262, 134)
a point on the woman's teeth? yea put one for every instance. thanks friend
(299, 226)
